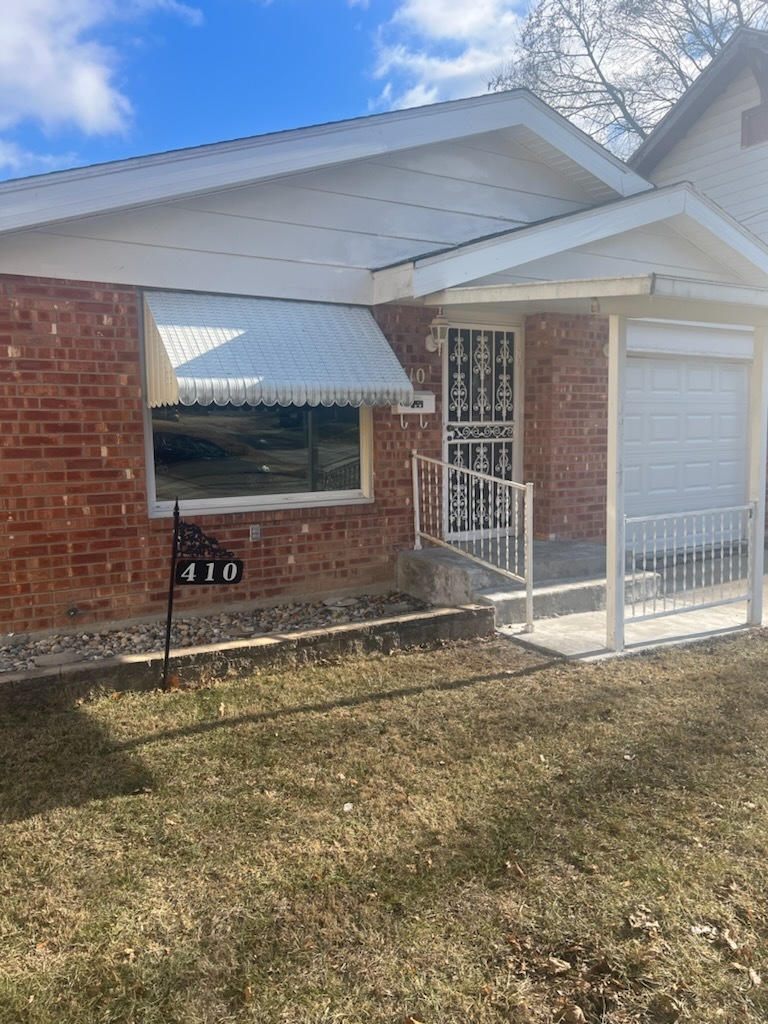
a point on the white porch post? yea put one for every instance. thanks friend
(758, 443)
(614, 553)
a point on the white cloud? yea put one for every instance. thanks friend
(53, 70)
(435, 50)
(18, 161)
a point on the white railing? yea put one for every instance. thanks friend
(484, 518)
(700, 560)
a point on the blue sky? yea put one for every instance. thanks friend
(84, 81)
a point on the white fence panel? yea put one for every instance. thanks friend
(702, 559)
(500, 514)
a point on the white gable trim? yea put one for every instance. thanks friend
(679, 204)
(52, 198)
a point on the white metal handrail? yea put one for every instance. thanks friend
(701, 559)
(484, 518)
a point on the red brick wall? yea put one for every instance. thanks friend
(566, 409)
(74, 530)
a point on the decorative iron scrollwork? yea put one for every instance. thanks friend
(481, 432)
(193, 543)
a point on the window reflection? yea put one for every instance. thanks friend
(228, 451)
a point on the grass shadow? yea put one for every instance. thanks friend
(56, 757)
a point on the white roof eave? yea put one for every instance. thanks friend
(642, 296)
(424, 277)
(66, 195)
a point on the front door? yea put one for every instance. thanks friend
(480, 387)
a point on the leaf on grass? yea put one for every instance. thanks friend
(555, 965)
(640, 921)
(571, 1014)
(754, 978)
(704, 931)
(729, 940)
(664, 1008)
(247, 994)
(601, 966)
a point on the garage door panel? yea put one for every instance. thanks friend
(661, 478)
(697, 477)
(632, 483)
(699, 381)
(634, 430)
(699, 428)
(732, 381)
(663, 428)
(731, 473)
(732, 427)
(634, 375)
(686, 434)
(666, 379)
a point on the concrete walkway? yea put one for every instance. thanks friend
(583, 635)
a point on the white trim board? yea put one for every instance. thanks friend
(52, 198)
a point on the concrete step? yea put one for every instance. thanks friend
(446, 577)
(443, 577)
(555, 599)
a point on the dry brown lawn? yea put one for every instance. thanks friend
(475, 834)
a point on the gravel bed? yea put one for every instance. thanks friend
(19, 652)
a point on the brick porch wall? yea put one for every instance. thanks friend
(566, 411)
(74, 529)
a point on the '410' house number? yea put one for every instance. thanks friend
(199, 559)
(199, 571)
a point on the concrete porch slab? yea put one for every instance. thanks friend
(583, 635)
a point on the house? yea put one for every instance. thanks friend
(239, 326)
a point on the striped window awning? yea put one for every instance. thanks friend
(222, 350)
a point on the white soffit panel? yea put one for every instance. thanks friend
(221, 350)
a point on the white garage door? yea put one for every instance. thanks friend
(685, 434)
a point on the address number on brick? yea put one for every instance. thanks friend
(198, 572)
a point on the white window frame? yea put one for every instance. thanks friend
(163, 509)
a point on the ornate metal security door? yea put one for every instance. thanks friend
(479, 423)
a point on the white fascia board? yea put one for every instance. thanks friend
(743, 304)
(708, 291)
(64, 195)
(586, 152)
(495, 255)
(727, 230)
(544, 291)
(392, 283)
(681, 299)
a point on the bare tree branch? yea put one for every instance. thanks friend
(616, 66)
